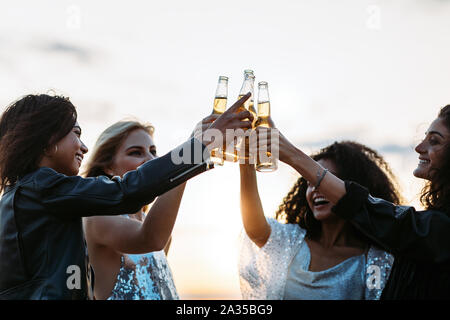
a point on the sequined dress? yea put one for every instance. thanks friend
(263, 272)
(144, 277)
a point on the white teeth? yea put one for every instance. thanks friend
(424, 161)
(320, 199)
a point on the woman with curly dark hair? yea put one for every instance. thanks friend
(419, 240)
(316, 254)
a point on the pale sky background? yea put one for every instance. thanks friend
(372, 71)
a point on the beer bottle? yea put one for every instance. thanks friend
(220, 105)
(243, 144)
(248, 86)
(220, 100)
(265, 161)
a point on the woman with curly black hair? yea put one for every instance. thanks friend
(419, 240)
(316, 255)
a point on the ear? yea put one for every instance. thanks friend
(50, 151)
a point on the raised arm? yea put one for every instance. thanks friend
(131, 236)
(255, 223)
(401, 230)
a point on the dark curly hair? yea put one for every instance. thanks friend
(354, 162)
(436, 193)
(27, 127)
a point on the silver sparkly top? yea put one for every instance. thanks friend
(263, 272)
(344, 281)
(144, 277)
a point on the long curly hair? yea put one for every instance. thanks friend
(353, 161)
(436, 193)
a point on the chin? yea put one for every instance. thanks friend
(419, 173)
(320, 216)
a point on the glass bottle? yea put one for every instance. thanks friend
(220, 105)
(242, 148)
(265, 161)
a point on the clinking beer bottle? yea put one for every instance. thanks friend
(220, 100)
(247, 86)
(265, 162)
(220, 105)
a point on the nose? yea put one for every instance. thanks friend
(420, 148)
(83, 148)
(148, 156)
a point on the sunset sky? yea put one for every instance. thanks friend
(372, 71)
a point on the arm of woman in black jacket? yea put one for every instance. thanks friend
(74, 196)
(417, 235)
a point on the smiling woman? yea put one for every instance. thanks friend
(43, 201)
(316, 255)
(36, 123)
(434, 163)
(120, 247)
(418, 240)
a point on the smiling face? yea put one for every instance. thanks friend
(137, 148)
(67, 155)
(318, 203)
(431, 149)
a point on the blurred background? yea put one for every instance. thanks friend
(372, 71)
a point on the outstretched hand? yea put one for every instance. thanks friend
(236, 117)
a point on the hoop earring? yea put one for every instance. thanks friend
(56, 148)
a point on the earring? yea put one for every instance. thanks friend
(56, 148)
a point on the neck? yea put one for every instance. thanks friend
(336, 233)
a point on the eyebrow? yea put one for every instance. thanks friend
(140, 147)
(436, 132)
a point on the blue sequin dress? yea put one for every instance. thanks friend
(144, 277)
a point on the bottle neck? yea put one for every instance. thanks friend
(222, 89)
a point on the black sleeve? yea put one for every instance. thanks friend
(74, 196)
(418, 235)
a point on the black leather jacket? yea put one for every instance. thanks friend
(42, 248)
(419, 241)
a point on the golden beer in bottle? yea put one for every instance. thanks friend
(265, 162)
(247, 86)
(220, 99)
(220, 105)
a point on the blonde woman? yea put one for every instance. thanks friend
(127, 263)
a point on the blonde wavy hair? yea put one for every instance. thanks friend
(107, 144)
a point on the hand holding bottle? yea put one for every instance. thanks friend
(232, 118)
